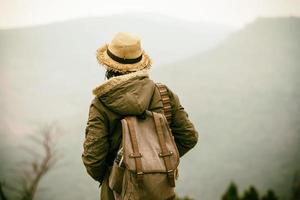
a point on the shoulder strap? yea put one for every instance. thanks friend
(135, 147)
(163, 91)
(165, 153)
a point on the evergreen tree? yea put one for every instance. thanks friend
(251, 194)
(270, 196)
(296, 188)
(231, 193)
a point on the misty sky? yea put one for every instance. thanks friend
(14, 13)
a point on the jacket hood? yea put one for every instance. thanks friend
(128, 94)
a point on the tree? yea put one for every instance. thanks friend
(270, 196)
(231, 193)
(296, 188)
(2, 194)
(251, 194)
(38, 167)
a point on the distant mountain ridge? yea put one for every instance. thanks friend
(149, 16)
(158, 33)
(244, 97)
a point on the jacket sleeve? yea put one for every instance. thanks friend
(95, 146)
(184, 132)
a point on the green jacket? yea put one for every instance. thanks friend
(120, 96)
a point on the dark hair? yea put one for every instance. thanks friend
(110, 73)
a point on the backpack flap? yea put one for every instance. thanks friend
(149, 146)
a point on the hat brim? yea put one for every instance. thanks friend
(110, 64)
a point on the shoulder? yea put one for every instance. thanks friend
(97, 108)
(97, 103)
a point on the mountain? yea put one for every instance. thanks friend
(245, 100)
(82, 37)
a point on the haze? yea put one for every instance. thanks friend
(17, 13)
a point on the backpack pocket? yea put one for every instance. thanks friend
(115, 179)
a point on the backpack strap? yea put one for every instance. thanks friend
(165, 153)
(163, 91)
(136, 153)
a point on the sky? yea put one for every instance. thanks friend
(18, 13)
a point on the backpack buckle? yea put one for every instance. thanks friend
(135, 155)
(166, 154)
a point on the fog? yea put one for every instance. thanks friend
(239, 86)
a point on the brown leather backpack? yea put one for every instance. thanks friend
(150, 158)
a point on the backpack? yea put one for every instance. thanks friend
(146, 165)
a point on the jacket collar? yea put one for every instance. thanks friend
(115, 81)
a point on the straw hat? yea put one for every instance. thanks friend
(124, 54)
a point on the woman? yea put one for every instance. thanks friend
(128, 91)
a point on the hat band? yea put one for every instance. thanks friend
(124, 60)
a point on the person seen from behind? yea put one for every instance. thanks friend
(128, 91)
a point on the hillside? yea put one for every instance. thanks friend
(244, 97)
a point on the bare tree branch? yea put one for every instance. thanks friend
(40, 167)
(36, 169)
(2, 193)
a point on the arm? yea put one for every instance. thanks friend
(184, 132)
(96, 142)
